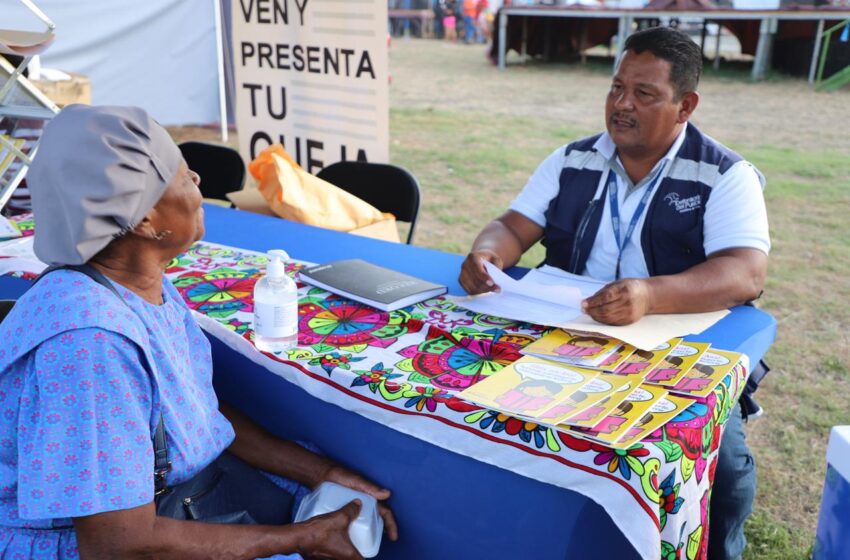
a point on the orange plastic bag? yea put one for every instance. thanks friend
(296, 195)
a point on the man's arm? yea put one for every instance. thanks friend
(728, 278)
(502, 242)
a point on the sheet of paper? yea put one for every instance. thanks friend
(517, 308)
(559, 293)
(17, 255)
(16, 264)
(552, 275)
(651, 330)
(8, 230)
(21, 247)
(524, 300)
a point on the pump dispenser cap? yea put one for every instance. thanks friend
(275, 269)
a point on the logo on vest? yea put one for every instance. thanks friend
(683, 205)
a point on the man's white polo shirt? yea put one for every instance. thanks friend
(735, 215)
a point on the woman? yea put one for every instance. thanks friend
(87, 371)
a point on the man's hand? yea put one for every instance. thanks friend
(473, 274)
(620, 303)
(501, 242)
(326, 536)
(351, 479)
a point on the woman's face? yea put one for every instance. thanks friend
(179, 210)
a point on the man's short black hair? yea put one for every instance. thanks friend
(675, 47)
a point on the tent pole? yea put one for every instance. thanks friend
(219, 55)
(813, 66)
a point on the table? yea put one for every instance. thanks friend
(586, 27)
(449, 504)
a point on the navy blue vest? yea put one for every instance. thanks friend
(672, 234)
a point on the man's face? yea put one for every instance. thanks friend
(641, 112)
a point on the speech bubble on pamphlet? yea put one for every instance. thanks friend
(712, 359)
(558, 374)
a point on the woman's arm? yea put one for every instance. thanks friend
(259, 448)
(138, 533)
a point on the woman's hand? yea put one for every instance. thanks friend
(346, 477)
(326, 536)
(263, 450)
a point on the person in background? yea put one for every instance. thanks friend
(482, 24)
(438, 7)
(99, 361)
(450, 20)
(672, 219)
(469, 20)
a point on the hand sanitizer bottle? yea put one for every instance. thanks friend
(275, 307)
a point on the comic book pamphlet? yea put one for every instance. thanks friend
(597, 389)
(659, 414)
(527, 387)
(641, 362)
(590, 417)
(580, 349)
(711, 369)
(677, 363)
(613, 427)
(618, 358)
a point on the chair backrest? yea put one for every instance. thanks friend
(221, 168)
(389, 188)
(6, 305)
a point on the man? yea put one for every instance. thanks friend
(675, 222)
(469, 21)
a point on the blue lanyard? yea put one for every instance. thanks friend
(615, 212)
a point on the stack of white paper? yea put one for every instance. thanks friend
(551, 297)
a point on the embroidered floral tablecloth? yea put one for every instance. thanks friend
(403, 369)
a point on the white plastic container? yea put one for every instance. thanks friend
(832, 539)
(365, 531)
(276, 307)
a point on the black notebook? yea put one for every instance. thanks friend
(373, 285)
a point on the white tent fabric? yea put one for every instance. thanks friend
(156, 54)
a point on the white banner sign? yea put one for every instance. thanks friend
(312, 75)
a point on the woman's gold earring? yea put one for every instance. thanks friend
(162, 235)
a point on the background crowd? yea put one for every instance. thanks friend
(468, 20)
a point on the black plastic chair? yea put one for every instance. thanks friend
(221, 168)
(6, 305)
(389, 188)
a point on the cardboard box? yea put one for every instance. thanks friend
(251, 200)
(66, 92)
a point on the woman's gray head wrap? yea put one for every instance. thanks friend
(97, 173)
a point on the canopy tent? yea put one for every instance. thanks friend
(164, 55)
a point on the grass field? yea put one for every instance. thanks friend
(472, 135)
